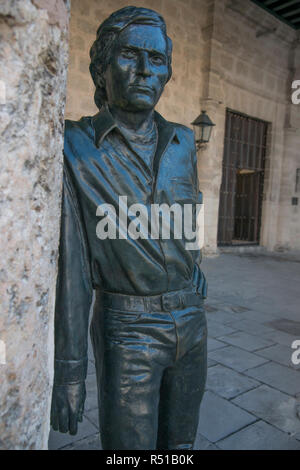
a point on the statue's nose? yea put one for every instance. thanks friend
(144, 65)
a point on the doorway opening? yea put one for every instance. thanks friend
(241, 192)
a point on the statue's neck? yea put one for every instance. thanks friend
(139, 122)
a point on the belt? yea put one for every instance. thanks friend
(174, 300)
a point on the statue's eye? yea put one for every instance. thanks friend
(157, 60)
(128, 54)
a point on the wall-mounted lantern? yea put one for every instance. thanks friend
(202, 128)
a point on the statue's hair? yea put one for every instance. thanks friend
(108, 31)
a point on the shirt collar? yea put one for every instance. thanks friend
(103, 123)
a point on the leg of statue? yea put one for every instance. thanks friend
(181, 394)
(137, 350)
(151, 379)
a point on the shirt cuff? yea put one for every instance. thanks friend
(68, 372)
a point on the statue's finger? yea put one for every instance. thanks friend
(63, 421)
(80, 412)
(53, 415)
(204, 288)
(73, 424)
(200, 283)
(196, 277)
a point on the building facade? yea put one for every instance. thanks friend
(237, 62)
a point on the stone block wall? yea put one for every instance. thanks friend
(248, 68)
(33, 57)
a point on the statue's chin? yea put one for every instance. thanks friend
(141, 102)
(141, 105)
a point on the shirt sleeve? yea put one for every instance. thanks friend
(74, 292)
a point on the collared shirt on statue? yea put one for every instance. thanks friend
(100, 166)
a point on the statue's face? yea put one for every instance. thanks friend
(138, 70)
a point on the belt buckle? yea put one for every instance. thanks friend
(171, 302)
(147, 304)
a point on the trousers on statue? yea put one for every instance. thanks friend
(151, 365)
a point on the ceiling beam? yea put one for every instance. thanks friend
(268, 2)
(291, 13)
(267, 7)
(296, 21)
(285, 5)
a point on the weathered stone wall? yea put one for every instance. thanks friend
(33, 58)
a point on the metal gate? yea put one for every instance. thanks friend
(243, 179)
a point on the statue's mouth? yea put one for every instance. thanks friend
(143, 88)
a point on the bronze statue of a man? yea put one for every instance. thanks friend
(148, 328)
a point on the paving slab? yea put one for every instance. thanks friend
(91, 367)
(252, 327)
(236, 358)
(90, 349)
(278, 376)
(246, 341)
(280, 354)
(219, 417)
(259, 317)
(58, 440)
(253, 277)
(227, 383)
(216, 329)
(242, 316)
(287, 326)
(273, 406)
(89, 443)
(210, 308)
(211, 362)
(213, 344)
(231, 307)
(280, 337)
(239, 308)
(93, 417)
(259, 436)
(223, 317)
(91, 401)
(201, 443)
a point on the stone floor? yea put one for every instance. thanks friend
(252, 398)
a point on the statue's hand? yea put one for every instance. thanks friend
(199, 281)
(67, 406)
(202, 286)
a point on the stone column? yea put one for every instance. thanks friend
(210, 156)
(33, 66)
(289, 215)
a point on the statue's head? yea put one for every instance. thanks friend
(131, 59)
